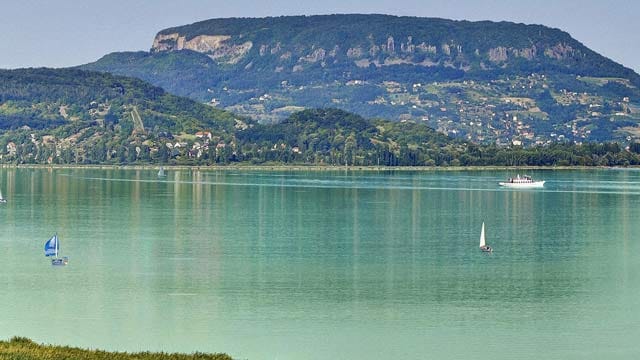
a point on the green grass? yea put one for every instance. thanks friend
(19, 348)
(10, 108)
(603, 80)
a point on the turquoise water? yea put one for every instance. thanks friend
(317, 265)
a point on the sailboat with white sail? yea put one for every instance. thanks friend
(161, 173)
(52, 248)
(483, 244)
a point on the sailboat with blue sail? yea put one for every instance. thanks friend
(52, 248)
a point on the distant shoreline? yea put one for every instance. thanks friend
(310, 167)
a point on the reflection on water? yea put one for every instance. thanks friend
(324, 264)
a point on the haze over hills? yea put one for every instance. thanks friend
(486, 82)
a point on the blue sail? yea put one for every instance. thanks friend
(51, 246)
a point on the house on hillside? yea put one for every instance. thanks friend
(203, 134)
(11, 148)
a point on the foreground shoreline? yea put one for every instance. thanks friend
(319, 168)
(24, 348)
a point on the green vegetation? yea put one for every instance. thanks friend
(334, 137)
(456, 76)
(462, 37)
(36, 97)
(77, 117)
(74, 116)
(19, 348)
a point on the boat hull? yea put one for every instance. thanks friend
(531, 185)
(60, 261)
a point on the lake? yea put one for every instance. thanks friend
(324, 265)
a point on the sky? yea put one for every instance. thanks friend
(60, 33)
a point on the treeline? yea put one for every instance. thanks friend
(607, 154)
(313, 137)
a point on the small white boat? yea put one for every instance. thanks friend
(2, 199)
(161, 173)
(483, 245)
(522, 182)
(51, 248)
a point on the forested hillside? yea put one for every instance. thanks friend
(67, 115)
(77, 117)
(486, 82)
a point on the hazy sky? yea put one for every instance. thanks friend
(58, 33)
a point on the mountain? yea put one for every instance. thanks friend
(487, 82)
(70, 115)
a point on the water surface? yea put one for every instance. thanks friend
(317, 265)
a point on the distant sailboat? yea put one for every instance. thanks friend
(2, 199)
(51, 248)
(161, 172)
(483, 245)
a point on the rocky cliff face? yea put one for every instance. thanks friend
(223, 49)
(217, 47)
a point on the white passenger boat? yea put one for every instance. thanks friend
(522, 182)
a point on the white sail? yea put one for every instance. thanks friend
(482, 241)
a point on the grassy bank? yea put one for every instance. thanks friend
(19, 348)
